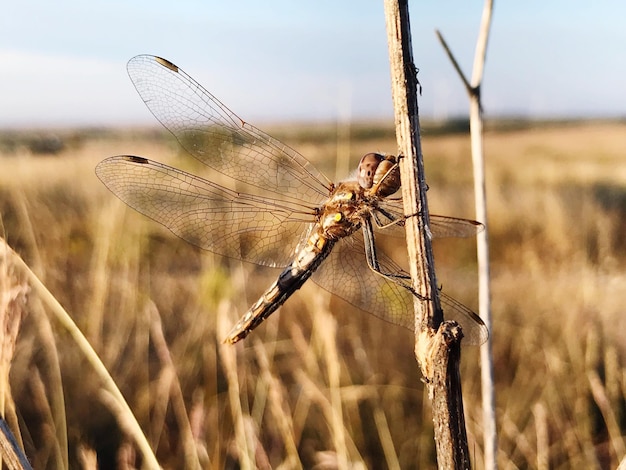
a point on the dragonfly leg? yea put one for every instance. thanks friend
(372, 261)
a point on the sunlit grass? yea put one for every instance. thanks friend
(319, 382)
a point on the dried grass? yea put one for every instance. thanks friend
(310, 388)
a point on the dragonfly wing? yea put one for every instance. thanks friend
(474, 329)
(347, 274)
(217, 137)
(252, 228)
(441, 226)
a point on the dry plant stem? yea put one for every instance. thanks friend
(386, 441)
(543, 442)
(132, 426)
(455, 64)
(176, 393)
(46, 342)
(331, 355)
(51, 371)
(277, 399)
(437, 344)
(51, 443)
(484, 291)
(13, 292)
(228, 359)
(404, 92)
(482, 243)
(600, 397)
(12, 456)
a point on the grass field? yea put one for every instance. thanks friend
(320, 384)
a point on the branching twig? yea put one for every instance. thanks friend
(457, 67)
(476, 134)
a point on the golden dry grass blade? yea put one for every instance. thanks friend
(109, 385)
(385, 438)
(54, 452)
(322, 386)
(329, 348)
(601, 399)
(543, 443)
(53, 378)
(228, 356)
(12, 455)
(108, 222)
(175, 391)
(13, 292)
(277, 406)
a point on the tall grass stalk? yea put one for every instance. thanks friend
(228, 355)
(13, 292)
(109, 385)
(53, 398)
(277, 398)
(175, 393)
(327, 338)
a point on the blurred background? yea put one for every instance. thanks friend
(318, 384)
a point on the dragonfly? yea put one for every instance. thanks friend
(279, 211)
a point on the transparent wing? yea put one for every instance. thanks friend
(346, 273)
(217, 137)
(257, 229)
(441, 226)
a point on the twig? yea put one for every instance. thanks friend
(437, 344)
(482, 244)
(457, 67)
(404, 93)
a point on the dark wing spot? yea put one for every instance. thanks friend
(134, 159)
(167, 63)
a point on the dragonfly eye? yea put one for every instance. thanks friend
(387, 177)
(367, 169)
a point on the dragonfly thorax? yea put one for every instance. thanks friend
(342, 214)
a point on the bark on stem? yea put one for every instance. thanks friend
(437, 345)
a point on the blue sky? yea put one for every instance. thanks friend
(63, 63)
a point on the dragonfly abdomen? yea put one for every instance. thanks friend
(306, 261)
